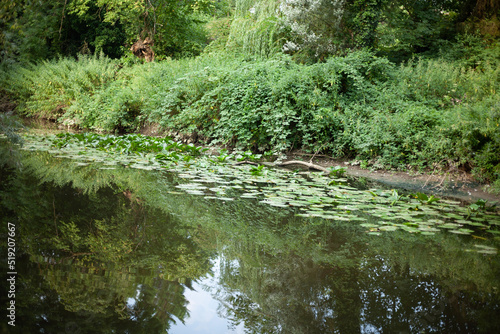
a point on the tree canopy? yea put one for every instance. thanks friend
(34, 30)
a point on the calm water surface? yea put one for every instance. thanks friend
(122, 250)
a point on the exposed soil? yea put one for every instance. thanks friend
(6, 105)
(456, 184)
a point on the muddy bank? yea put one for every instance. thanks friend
(459, 185)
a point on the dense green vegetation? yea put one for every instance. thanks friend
(394, 84)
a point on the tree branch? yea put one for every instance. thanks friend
(62, 19)
(286, 163)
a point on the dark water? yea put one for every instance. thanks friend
(123, 251)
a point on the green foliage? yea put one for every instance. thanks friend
(395, 139)
(424, 198)
(314, 27)
(85, 30)
(48, 88)
(218, 33)
(444, 84)
(255, 29)
(274, 104)
(362, 18)
(72, 27)
(411, 27)
(127, 144)
(257, 170)
(22, 39)
(175, 27)
(470, 136)
(337, 171)
(114, 107)
(426, 113)
(471, 50)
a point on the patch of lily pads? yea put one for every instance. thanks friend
(312, 195)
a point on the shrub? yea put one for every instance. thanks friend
(444, 84)
(271, 103)
(395, 139)
(470, 136)
(46, 89)
(114, 107)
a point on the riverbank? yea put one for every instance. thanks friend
(455, 184)
(436, 115)
(459, 184)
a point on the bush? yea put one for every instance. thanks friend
(270, 104)
(46, 89)
(470, 136)
(444, 84)
(113, 106)
(395, 139)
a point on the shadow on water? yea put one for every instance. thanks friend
(118, 250)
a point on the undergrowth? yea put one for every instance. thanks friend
(426, 113)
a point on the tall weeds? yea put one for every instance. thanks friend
(48, 88)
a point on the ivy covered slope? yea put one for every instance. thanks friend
(398, 84)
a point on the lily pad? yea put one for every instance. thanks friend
(465, 231)
(449, 225)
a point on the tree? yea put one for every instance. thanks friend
(402, 28)
(315, 25)
(397, 28)
(479, 9)
(68, 27)
(30, 29)
(361, 21)
(173, 26)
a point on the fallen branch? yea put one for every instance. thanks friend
(286, 163)
(307, 164)
(245, 162)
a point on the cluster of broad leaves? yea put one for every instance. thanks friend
(317, 196)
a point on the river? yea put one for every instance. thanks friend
(112, 245)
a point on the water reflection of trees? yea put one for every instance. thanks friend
(411, 302)
(289, 295)
(76, 298)
(341, 280)
(96, 259)
(280, 274)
